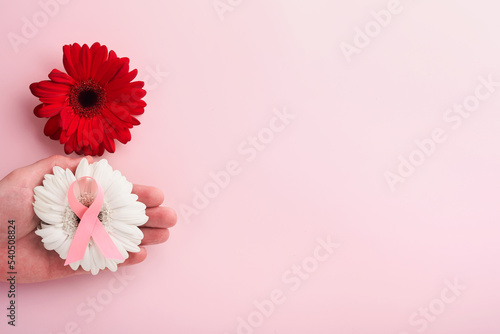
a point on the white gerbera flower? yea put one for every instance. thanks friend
(121, 214)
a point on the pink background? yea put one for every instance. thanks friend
(322, 175)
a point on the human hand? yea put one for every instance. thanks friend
(34, 263)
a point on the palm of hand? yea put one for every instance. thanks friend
(33, 262)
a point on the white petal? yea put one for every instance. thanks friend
(116, 179)
(117, 186)
(111, 265)
(129, 217)
(102, 173)
(120, 247)
(63, 249)
(52, 185)
(98, 258)
(47, 196)
(61, 179)
(83, 169)
(54, 244)
(45, 231)
(126, 230)
(75, 265)
(58, 172)
(93, 267)
(121, 200)
(132, 239)
(48, 216)
(85, 263)
(70, 178)
(54, 235)
(59, 208)
(127, 243)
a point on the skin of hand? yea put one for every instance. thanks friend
(33, 262)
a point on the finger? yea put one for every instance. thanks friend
(135, 258)
(151, 196)
(153, 236)
(161, 217)
(45, 166)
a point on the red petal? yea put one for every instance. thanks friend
(135, 121)
(87, 150)
(73, 125)
(95, 149)
(61, 77)
(101, 150)
(130, 92)
(77, 62)
(76, 146)
(92, 136)
(109, 144)
(48, 110)
(59, 99)
(119, 132)
(86, 61)
(95, 46)
(56, 135)
(124, 136)
(108, 71)
(137, 104)
(108, 127)
(120, 112)
(137, 111)
(64, 138)
(68, 147)
(112, 55)
(124, 69)
(68, 62)
(115, 124)
(79, 132)
(66, 112)
(41, 90)
(121, 82)
(133, 107)
(51, 126)
(97, 130)
(55, 87)
(86, 132)
(67, 116)
(99, 56)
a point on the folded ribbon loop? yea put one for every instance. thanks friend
(90, 225)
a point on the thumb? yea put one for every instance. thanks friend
(45, 166)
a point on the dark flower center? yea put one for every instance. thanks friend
(87, 98)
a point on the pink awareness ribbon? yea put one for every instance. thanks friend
(90, 225)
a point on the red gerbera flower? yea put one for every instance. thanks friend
(93, 104)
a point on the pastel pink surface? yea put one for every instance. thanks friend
(328, 130)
